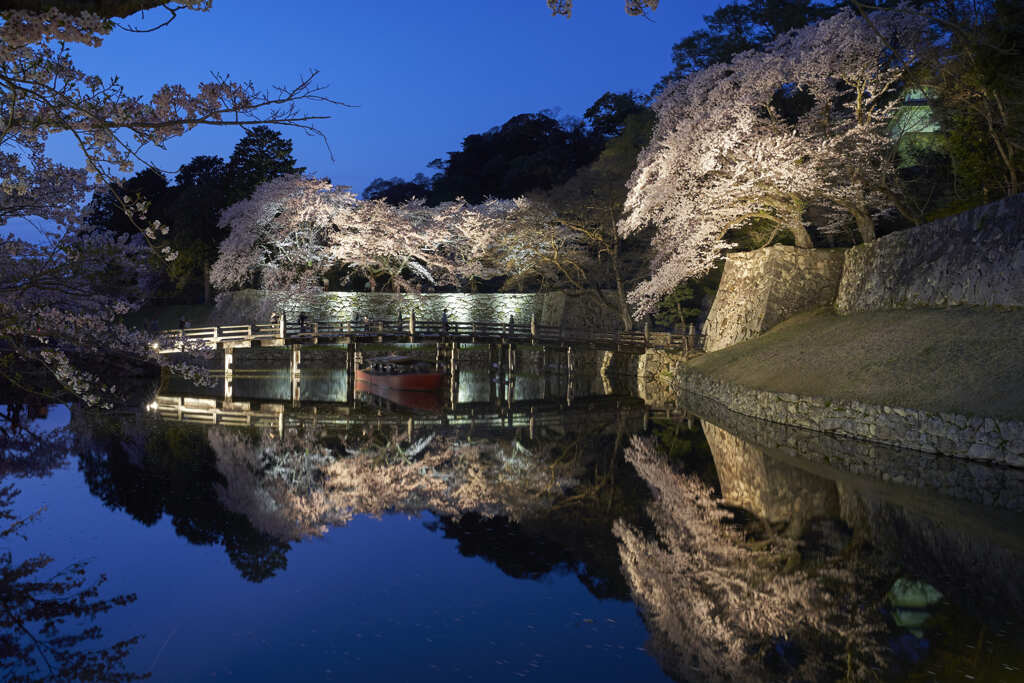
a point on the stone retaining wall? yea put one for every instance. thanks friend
(975, 258)
(585, 310)
(656, 375)
(760, 289)
(974, 438)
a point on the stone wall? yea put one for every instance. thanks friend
(975, 258)
(974, 438)
(656, 374)
(760, 289)
(576, 311)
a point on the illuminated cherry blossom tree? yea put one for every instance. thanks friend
(294, 228)
(57, 302)
(805, 122)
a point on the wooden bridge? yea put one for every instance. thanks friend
(288, 332)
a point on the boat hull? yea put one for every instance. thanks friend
(413, 381)
(419, 401)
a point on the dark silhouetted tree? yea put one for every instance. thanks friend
(261, 155)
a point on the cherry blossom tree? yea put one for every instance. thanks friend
(56, 302)
(294, 229)
(805, 122)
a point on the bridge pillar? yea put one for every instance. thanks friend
(350, 372)
(228, 371)
(570, 376)
(296, 372)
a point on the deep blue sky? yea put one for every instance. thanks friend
(423, 73)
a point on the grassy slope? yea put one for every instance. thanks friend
(964, 360)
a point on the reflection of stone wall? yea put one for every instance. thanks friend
(577, 311)
(973, 258)
(972, 565)
(760, 289)
(766, 486)
(976, 438)
(970, 481)
(971, 553)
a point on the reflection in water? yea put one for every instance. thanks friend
(294, 486)
(723, 604)
(151, 469)
(746, 562)
(47, 617)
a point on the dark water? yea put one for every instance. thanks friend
(540, 532)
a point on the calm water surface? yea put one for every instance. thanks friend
(540, 532)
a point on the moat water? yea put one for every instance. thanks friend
(543, 530)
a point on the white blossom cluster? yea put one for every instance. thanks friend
(725, 151)
(293, 229)
(57, 300)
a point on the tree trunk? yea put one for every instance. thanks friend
(801, 237)
(865, 225)
(620, 289)
(206, 283)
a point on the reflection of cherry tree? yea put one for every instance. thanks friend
(293, 486)
(716, 602)
(38, 638)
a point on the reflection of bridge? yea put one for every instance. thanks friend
(287, 332)
(592, 413)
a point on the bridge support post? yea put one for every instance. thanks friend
(570, 376)
(455, 367)
(228, 372)
(296, 372)
(350, 372)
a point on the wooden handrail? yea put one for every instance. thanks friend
(481, 331)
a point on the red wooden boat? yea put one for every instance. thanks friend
(400, 373)
(419, 401)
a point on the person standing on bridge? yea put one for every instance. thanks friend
(444, 321)
(511, 324)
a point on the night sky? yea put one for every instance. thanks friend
(422, 74)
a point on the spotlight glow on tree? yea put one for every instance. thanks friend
(805, 122)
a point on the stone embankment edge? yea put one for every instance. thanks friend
(981, 439)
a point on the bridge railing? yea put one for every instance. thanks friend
(416, 330)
